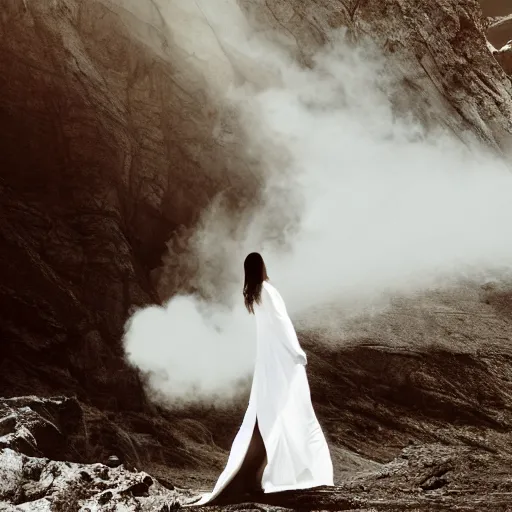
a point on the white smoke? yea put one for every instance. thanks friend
(384, 207)
(192, 362)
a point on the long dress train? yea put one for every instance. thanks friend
(280, 405)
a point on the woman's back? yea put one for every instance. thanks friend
(280, 408)
(274, 326)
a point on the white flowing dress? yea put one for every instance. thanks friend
(297, 453)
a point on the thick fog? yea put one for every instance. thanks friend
(374, 206)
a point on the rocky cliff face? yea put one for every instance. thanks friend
(106, 151)
(438, 49)
(111, 145)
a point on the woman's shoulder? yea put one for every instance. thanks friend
(271, 290)
(273, 296)
(268, 286)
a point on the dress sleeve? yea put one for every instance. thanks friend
(283, 325)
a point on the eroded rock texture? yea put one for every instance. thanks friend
(35, 484)
(106, 149)
(439, 50)
(421, 477)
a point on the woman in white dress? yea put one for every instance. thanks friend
(280, 445)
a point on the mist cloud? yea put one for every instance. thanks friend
(372, 204)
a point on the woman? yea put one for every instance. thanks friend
(280, 445)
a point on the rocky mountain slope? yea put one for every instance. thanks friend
(111, 145)
(438, 49)
(97, 172)
(418, 413)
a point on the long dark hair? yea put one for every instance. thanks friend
(255, 274)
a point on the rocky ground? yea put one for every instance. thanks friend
(417, 410)
(416, 402)
(431, 477)
(40, 485)
(460, 476)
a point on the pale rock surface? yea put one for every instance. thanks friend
(499, 31)
(504, 57)
(41, 485)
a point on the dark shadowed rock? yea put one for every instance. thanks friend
(98, 170)
(113, 461)
(60, 486)
(39, 427)
(170, 506)
(138, 488)
(105, 497)
(504, 57)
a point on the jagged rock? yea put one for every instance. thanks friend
(504, 57)
(85, 476)
(102, 473)
(113, 461)
(438, 49)
(60, 486)
(105, 497)
(174, 505)
(35, 426)
(7, 425)
(139, 488)
(65, 429)
(107, 148)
